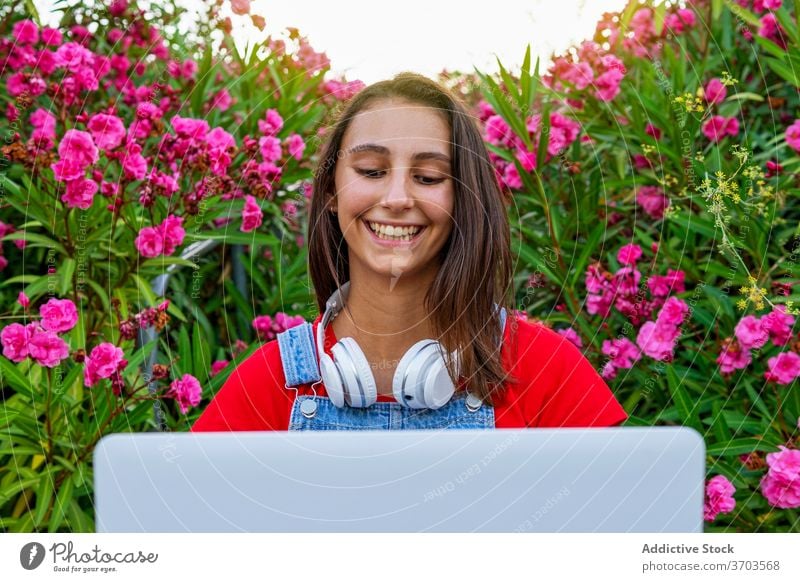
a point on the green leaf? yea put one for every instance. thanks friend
(184, 363)
(44, 495)
(746, 96)
(202, 354)
(62, 502)
(233, 237)
(740, 446)
(743, 13)
(683, 403)
(36, 240)
(10, 375)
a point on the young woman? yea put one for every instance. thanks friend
(409, 226)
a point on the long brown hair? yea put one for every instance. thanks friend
(476, 269)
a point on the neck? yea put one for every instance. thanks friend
(385, 317)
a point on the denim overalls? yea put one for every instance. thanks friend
(298, 356)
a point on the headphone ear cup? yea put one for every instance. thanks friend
(332, 380)
(363, 372)
(421, 379)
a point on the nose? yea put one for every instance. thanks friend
(397, 197)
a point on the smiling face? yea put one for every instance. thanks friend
(395, 169)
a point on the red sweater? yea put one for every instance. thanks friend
(558, 387)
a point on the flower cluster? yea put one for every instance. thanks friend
(718, 497)
(40, 339)
(752, 333)
(563, 131)
(267, 327)
(781, 484)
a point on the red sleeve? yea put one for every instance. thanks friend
(252, 398)
(580, 398)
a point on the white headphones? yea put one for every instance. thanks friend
(420, 380)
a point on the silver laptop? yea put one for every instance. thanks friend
(633, 479)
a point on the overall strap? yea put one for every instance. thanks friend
(299, 355)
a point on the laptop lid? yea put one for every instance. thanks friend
(633, 479)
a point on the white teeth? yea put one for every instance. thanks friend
(390, 232)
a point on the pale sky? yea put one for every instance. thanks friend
(373, 40)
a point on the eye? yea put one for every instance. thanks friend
(370, 173)
(427, 181)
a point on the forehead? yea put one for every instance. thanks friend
(401, 126)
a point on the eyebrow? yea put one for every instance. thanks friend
(379, 149)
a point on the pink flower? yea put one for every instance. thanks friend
(511, 177)
(793, 135)
(26, 32)
(222, 100)
(273, 123)
(673, 312)
(264, 327)
(23, 300)
(497, 131)
(681, 20)
(102, 362)
(783, 368)
(750, 333)
(78, 146)
(715, 91)
(45, 125)
(623, 352)
(733, 357)
(240, 7)
(653, 201)
(220, 139)
(108, 131)
(779, 325)
(187, 391)
(296, 146)
(718, 127)
(251, 214)
(47, 348)
(51, 36)
(653, 131)
(134, 164)
(607, 84)
(663, 285)
(572, 336)
(527, 158)
(657, 341)
(149, 242)
(15, 339)
(172, 233)
(270, 147)
(190, 128)
(718, 497)
(629, 254)
(79, 193)
(781, 484)
(217, 367)
(68, 170)
(58, 315)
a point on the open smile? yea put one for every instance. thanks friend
(393, 241)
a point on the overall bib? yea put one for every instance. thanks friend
(298, 356)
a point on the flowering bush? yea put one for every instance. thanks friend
(127, 151)
(667, 183)
(650, 173)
